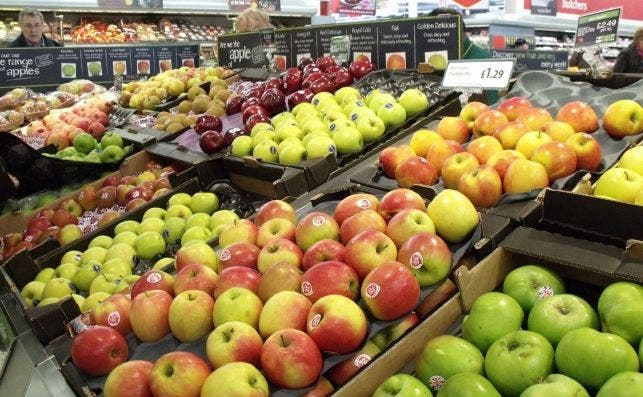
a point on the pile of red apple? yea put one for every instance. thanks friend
(60, 129)
(280, 294)
(568, 347)
(516, 148)
(91, 208)
(211, 137)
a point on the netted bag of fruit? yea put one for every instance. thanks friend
(10, 119)
(60, 99)
(14, 98)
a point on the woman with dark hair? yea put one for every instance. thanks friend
(630, 60)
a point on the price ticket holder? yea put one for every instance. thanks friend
(595, 32)
(269, 46)
(340, 48)
(474, 75)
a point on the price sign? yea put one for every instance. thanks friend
(118, 83)
(597, 28)
(340, 48)
(491, 74)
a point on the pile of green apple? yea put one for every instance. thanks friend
(106, 266)
(567, 349)
(86, 148)
(339, 124)
(624, 182)
(281, 292)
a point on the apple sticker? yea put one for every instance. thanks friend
(372, 290)
(436, 382)
(315, 321)
(306, 288)
(319, 220)
(545, 292)
(153, 278)
(361, 360)
(416, 260)
(225, 255)
(363, 204)
(113, 318)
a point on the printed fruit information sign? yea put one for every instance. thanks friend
(392, 44)
(597, 28)
(46, 67)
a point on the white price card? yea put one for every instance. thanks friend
(485, 74)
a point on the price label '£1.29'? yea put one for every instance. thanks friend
(479, 74)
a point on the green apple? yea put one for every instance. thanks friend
(85, 274)
(261, 127)
(122, 251)
(57, 287)
(174, 229)
(453, 215)
(111, 138)
(304, 106)
(69, 233)
(223, 217)
(285, 131)
(242, 145)
(100, 241)
(48, 301)
(345, 93)
(530, 283)
(348, 140)
(84, 143)
(125, 237)
(199, 233)
(66, 270)
(620, 308)
(374, 100)
(320, 146)
(308, 137)
(112, 154)
(79, 299)
(45, 274)
(392, 114)
(179, 210)
(106, 283)
(32, 292)
(517, 360)
(323, 97)
(163, 263)
(468, 384)
(94, 254)
(592, 357)
(154, 212)
(67, 152)
(288, 142)
(263, 136)
(553, 317)
(492, 316)
(641, 352)
(370, 126)
(266, 151)
(92, 300)
(314, 125)
(632, 159)
(402, 385)
(126, 226)
(205, 202)
(620, 184)
(292, 154)
(444, 356)
(237, 304)
(414, 102)
(116, 267)
(338, 125)
(624, 384)
(149, 244)
(556, 385)
(71, 257)
(181, 198)
(198, 219)
(151, 225)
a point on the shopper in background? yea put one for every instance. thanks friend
(32, 24)
(521, 44)
(252, 19)
(469, 49)
(630, 60)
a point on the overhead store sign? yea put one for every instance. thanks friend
(631, 9)
(394, 44)
(47, 67)
(597, 28)
(267, 5)
(544, 7)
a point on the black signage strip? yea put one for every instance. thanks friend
(47, 67)
(392, 44)
(534, 60)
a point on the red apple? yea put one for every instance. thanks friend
(588, 151)
(523, 176)
(558, 158)
(514, 107)
(488, 122)
(535, 118)
(239, 254)
(363, 220)
(291, 359)
(149, 315)
(416, 171)
(114, 312)
(275, 209)
(242, 231)
(337, 324)
(275, 228)
(237, 276)
(438, 152)
(72, 206)
(328, 278)
(471, 111)
(390, 291)
(277, 251)
(178, 373)
(316, 226)
(427, 256)
(457, 165)
(482, 186)
(393, 156)
(502, 160)
(509, 133)
(153, 279)
(195, 277)
(484, 147)
(131, 378)
(368, 250)
(98, 350)
(622, 118)
(579, 115)
(454, 128)
(408, 222)
(106, 197)
(353, 204)
(397, 200)
(558, 130)
(280, 277)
